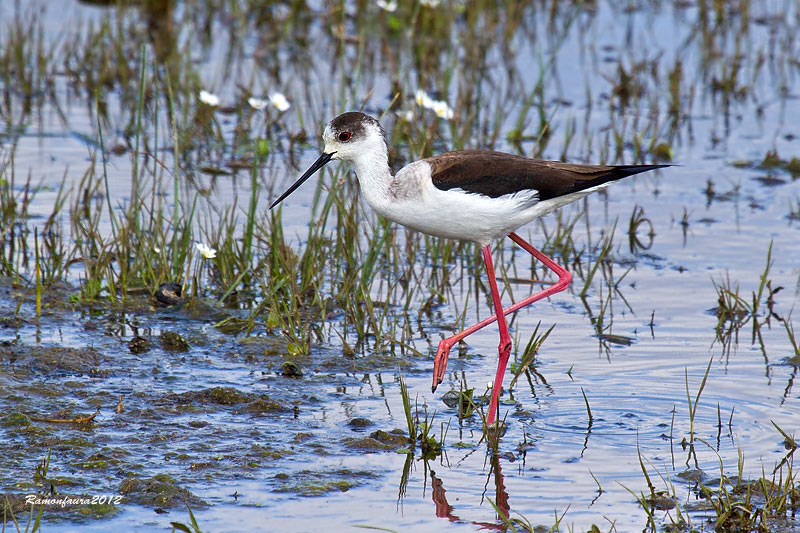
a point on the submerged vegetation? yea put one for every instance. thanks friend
(142, 276)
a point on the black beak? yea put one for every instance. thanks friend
(318, 164)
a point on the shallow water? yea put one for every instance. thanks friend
(274, 459)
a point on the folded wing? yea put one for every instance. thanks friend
(497, 174)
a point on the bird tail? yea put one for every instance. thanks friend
(630, 170)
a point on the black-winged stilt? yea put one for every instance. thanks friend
(475, 195)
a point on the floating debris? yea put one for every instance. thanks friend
(170, 293)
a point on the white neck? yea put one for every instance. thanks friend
(374, 176)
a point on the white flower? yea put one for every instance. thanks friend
(443, 110)
(439, 107)
(408, 116)
(430, 3)
(279, 101)
(390, 6)
(156, 249)
(205, 251)
(422, 98)
(209, 98)
(257, 103)
(489, 385)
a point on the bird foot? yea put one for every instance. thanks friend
(440, 362)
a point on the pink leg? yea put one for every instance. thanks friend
(504, 349)
(564, 279)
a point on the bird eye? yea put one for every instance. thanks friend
(344, 136)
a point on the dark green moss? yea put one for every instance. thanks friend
(139, 345)
(15, 420)
(216, 395)
(394, 438)
(99, 464)
(359, 423)
(158, 491)
(366, 444)
(173, 342)
(310, 483)
(263, 405)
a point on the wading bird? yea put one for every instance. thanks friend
(474, 195)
